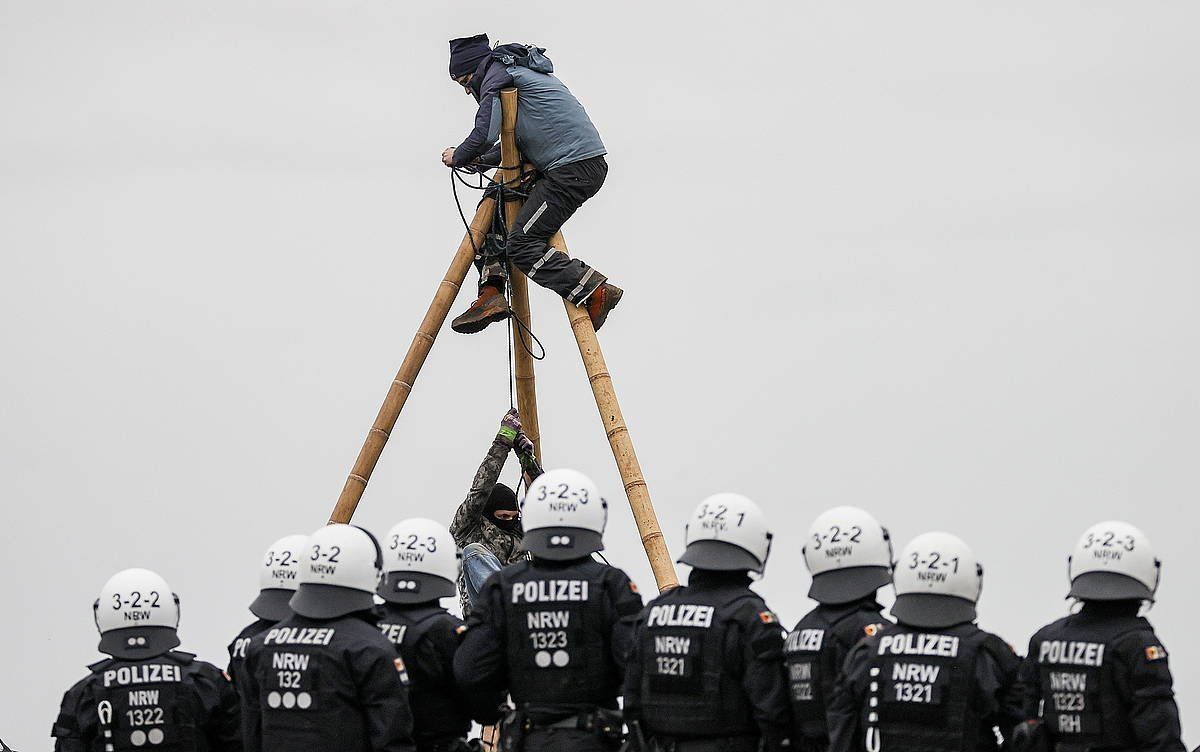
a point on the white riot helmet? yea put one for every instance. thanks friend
(277, 578)
(339, 572)
(137, 615)
(420, 562)
(727, 532)
(849, 555)
(564, 516)
(1114, 561)
(938, 582)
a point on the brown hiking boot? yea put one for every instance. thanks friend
(488, 308)
(601, 302)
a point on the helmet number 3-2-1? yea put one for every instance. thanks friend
(932, 561)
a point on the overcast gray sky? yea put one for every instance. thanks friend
(936, 259)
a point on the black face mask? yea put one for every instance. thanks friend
(502, 498)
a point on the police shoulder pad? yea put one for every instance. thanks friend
(99, 665)
(182, 656)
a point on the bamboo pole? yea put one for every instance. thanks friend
(619, 440)
(410, 368)
(526, 384)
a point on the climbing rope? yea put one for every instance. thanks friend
(503, 191)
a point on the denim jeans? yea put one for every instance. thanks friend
(478, 565)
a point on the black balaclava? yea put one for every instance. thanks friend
(502, 498)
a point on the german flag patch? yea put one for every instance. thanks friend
(1156, 653)
(460, 629)
(633, 587)
(872, 629)
(766, 617)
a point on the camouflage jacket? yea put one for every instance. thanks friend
(471, 526)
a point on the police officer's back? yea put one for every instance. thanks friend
(146, 695)
(325, 678)
(849, 555)
(935, 682)
(421, 567)
(277, 576)
(1098, 678)
(553, 632)
(707, 671)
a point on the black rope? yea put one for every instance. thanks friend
(503, 192)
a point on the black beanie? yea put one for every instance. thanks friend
(501, 498)
(466, 54)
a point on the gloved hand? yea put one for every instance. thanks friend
(523, 444)
(510, 426)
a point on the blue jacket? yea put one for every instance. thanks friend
(553, 129)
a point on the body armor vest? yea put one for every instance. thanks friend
(437, 714)
(559, 644)
(690, 686)
(147, 705)
(1081, 704)
(919, 696)
(811, 653)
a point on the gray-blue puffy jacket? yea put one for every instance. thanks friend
(553, 129)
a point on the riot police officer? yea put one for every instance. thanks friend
(325, 678)
(421, 567)
(935, 682)
(1099, 677)
(849, 555)
(554, 631)
(277, 583)
(146, 695)
(707, 672)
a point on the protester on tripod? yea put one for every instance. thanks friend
(487, 525)
(558, 138)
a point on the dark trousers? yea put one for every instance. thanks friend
(554, 198)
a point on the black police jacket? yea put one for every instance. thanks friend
(921, 690)
(708, 663)
(814, 652)
(1101, 679)
(554, 635)
(237, 648)
(171, 702)
(426, 637)
(310, 685)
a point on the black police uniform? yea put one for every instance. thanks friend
(314, 685)
(555, 635)
(171, 702)
(926, 690)
(426, 637)
(707, 672)
(237, 648)
(815, 652)
(1099, 679)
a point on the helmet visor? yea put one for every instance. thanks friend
(846, 585)
(933, 610)
(272, 604)
(414, 587)
(562, 543)
(132, 643)
(719, 556)
(1108, 586)
(318, 601)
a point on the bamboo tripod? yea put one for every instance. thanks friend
(589, 349)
